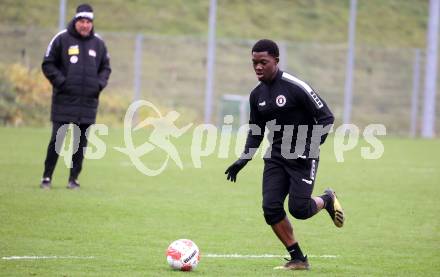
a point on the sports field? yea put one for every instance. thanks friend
(120, 222)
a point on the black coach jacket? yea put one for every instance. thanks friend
(78, 69)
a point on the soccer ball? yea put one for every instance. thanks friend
(183, 254)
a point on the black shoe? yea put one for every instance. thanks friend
(45, 183)
(73, 184)
(334, 209)
(297, 264)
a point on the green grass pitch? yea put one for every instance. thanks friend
(123, 221)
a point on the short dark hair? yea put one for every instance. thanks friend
(266, 45)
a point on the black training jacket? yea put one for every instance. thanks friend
(78, 69)
(286, 105)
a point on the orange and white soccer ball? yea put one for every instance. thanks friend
(183, 254)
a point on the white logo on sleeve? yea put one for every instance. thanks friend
(280, 100)
(307, 181)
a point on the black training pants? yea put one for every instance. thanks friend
(294, 178)
(53, 149)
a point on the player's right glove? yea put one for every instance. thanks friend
(233, 170)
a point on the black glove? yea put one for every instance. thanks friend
(233, 170)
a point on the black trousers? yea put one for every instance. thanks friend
(54, 147)
(294, 178)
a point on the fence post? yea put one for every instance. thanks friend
(348, 97)
(137, 70)
(431, 70)
(283, 55)
(137, 67)
(415, 94)
(210, 61)
(62, 15)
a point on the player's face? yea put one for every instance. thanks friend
(84, 26)
(265, 66)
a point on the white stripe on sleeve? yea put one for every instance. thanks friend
(49, 47)
(292, 79)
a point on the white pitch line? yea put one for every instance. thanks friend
(262, 256)
(209, 255)
(44, 257)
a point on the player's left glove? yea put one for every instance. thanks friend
(233, 170)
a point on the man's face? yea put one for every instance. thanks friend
(84, 26)
(265, 65)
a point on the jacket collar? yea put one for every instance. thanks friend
(278, 76)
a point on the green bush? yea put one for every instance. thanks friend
(25, 99)
(24, 95)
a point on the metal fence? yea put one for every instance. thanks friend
(171, 72)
